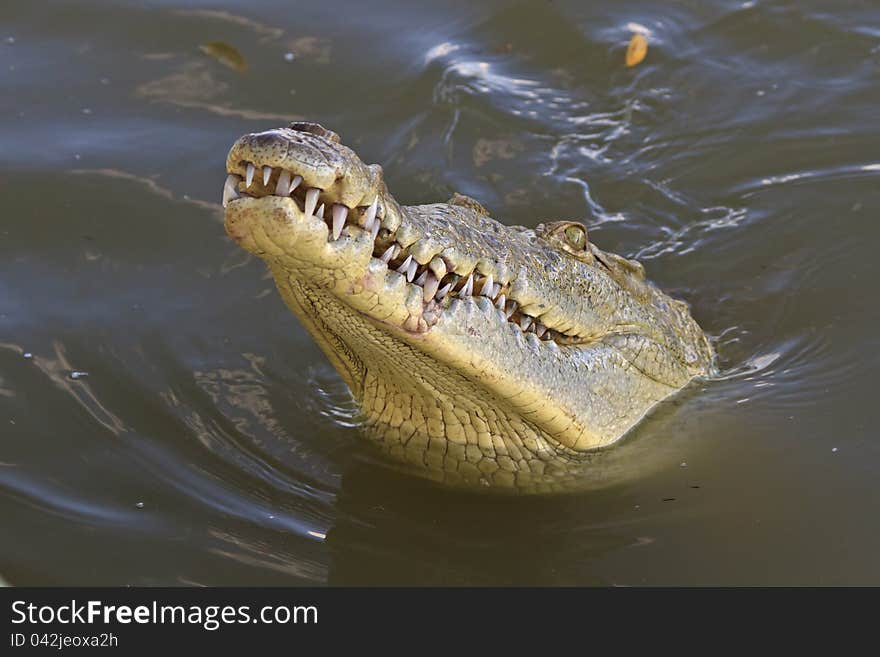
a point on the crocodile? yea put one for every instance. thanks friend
(479, 353)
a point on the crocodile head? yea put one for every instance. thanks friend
(477, 351)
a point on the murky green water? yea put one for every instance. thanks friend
(166, 420)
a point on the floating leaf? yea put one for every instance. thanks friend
(637, 49)
(315, 48)
(225, 54)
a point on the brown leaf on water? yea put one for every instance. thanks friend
(637, 49)
(225, 54)
(314, 48)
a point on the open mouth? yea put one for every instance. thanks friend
(439, 279)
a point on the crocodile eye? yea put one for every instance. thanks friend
(576, 236)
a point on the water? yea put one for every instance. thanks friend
(167, 421)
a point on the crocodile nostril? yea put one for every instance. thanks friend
(315, 129)
(264, 140)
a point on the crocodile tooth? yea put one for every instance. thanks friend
(294, 183)
(468, 288)
(511, 308)
(249, 174)
(371, 213)
(340, 212)
(375, 229)
(397, 250)
(488, 286)
(540, 329)
(283, 183)
(421, 279)
(229, 188)
(411, 272)
(443, 291)
(404, 268)
(228, 195)
(495, 290)
(311, 200)
(319, 213)
(389, 252)
(267, 173)
(500, 301)
(430, 285)
(525, 322)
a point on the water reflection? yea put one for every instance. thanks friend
(210, 441)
